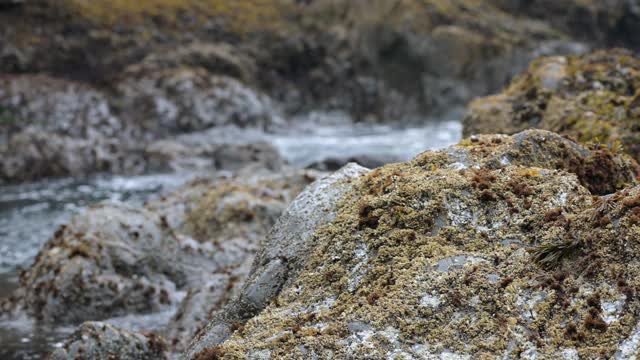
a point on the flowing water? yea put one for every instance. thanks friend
(30, 213)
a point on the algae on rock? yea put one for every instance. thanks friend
(435, 257)
(593, 98)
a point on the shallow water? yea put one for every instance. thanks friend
(311, 145)
(30, 213)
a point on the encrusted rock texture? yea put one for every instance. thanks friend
(594, 98)
(493, 247)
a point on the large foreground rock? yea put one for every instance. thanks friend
(282, 255)
(592, 98)
(494, 247)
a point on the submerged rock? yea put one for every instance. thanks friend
(593, 98)
(494, 247)
(99, 341)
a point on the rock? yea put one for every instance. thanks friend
(379, 69)
(280, 259)
(109, 261)
(51, 127)
(489, 248)
(592, 98)
(233, 218)
(216, 58)
(117, 261)
(606, 22)
(223, 148)
(403, 60)
(34, 154)
(54, 128)
(183, 100)
(100, 341)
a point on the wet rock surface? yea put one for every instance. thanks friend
(518, 245)
(592, 98)
(492, 247)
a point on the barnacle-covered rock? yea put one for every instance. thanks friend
(592, 98)
(493, 247)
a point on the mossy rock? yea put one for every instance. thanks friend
(492, 248)
(592, 98)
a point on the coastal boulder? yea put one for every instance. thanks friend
(180, 100)
(593, 98)
(52, 127)
(109, 261)
(491, 247)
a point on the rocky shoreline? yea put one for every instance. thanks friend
(518, 242)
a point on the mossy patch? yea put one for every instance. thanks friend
(241, 15)
(6, 117)
(592, 98)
